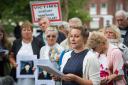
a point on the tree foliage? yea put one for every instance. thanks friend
(19, 10)
(13, 11)
(76, 9)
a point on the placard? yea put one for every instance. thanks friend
(51, 9)
(25, 66)
(41, 76)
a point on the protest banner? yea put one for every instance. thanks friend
(51, 9)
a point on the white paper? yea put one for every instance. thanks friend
(48, 66)
(51, 70)
(42, 81)
(4, 51)
(21, 61)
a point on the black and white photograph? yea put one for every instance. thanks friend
(25, 67)
(41, 76)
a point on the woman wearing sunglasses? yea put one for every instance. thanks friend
(52, 49)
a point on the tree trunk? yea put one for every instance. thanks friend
(65, 10)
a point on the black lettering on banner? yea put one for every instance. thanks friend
(37, 7)
(47, 6)
(55, 5)
(50, 6)
(44, 6)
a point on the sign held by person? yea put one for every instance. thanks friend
(51, 9)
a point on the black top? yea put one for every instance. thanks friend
(40, 39)
(18, 43)
(74, 65)
(126, 39)
(125, 36)
(61, 37)
(17, 32)
(16, 47)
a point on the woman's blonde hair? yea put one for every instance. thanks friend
(96, 39)
(27, 24)
(116, 31)
(77, 21)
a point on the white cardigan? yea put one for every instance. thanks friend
(91, 66)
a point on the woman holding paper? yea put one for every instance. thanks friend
(4, 48)
(28, 45)
(80, 66)
(52, 49)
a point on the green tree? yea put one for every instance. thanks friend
(75, 8)
(19, 10)
(13, 11)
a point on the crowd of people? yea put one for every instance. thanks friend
(85, 57)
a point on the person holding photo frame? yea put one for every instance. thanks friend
(27, 45)
(52, 49)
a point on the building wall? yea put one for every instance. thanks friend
(103, 11)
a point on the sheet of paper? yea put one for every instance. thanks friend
(49, 67)
(51, 70)
(4, 51)
(42, 80)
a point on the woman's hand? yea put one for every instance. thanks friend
(75, 78)
(14, 65)
(108, 79)
(69, 77)
(56, 78)
(104, 80)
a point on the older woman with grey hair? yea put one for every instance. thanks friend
(122, 22)
(51, 35)
(52, 50)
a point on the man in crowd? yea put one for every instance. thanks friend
(122, 22)
(44, 23)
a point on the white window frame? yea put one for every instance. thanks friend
(119, 6)
(104, 8)
(94, 24)
(93, 9)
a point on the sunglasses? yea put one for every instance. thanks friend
(52, 36)
(119, 19)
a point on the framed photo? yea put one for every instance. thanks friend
(41, 76)
(25, 66)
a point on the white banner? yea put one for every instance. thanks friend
(50, 9)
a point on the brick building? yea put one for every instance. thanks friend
(103, 11)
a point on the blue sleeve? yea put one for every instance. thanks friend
(61, 57)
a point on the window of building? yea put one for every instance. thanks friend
(119, 6)
(93, 9)
(104, 8)
(94, 24)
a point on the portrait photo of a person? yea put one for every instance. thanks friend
(27, 68)
(43, 74)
